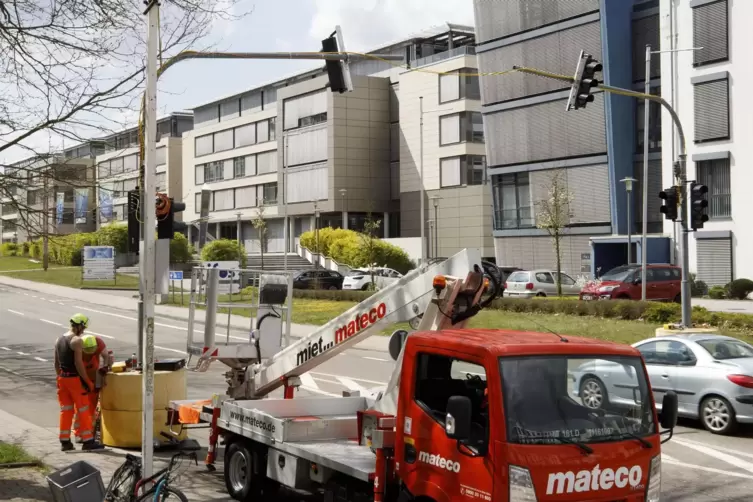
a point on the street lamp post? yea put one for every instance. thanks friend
(629, 189)
(422, 192)
(344, 225)
(435, 202)
(238, 230)
(432, 232)
(318, 251)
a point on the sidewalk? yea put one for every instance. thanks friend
(27, 485)
(117, 301)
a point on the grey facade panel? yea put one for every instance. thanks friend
(545, 131)
(588, 187)
(645, 31)
(532, 252)
(710, 31)
(556, 52)
(714, 261)
(711, 110)
(655, 185)
(500, 18)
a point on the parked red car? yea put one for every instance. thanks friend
(663, 283)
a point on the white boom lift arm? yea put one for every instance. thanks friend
(259, 367)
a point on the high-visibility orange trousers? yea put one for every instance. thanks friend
(72, 397)
(93, 398)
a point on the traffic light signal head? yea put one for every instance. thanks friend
(166, 225)
(337, 70)
(584, 82)
(698, 205)
(670, 196)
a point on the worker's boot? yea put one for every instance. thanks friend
(92, 445)
(66, 446)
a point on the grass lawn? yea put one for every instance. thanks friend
(71, 277)
(20, 263)
(12, 454)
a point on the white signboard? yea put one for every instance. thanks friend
(230, 277)
(99, 263)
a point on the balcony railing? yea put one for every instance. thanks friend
(465, 50)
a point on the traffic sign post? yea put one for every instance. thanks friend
(176, 275)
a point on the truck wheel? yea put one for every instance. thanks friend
(245, 473)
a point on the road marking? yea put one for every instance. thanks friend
(182, 352)
(350, 384)
(673, 461)
(5, 348)
(40, 359)
(319, 391)
(52, 322)
(354, 378)
(376, 359)
(16, 312)
(308, 381)
(739, 463)
(100, 334)
(721, 448)
(22, 353)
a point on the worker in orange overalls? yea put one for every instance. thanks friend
(96, 360)
(74, 384)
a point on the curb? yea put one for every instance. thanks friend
(19, 465)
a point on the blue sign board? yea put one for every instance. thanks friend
(176, 276)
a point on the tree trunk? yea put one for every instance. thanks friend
(559, 264)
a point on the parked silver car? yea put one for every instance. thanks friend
(712, 376)
(530, 283)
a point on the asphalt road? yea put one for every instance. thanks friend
(696, 465)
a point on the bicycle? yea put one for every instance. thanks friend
(127, 482)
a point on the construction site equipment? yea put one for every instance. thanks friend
(447, 426)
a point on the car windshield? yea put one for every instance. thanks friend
(550, 399)
(620, 274)
(726, 349)
(518, 277)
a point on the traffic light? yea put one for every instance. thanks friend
(134, 220)
(584, 82)
(166, 208)
(671, 198)
(698, 205)
(337, 70)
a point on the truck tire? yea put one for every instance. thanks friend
(245, 472)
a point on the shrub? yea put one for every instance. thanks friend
(25, 248)
(224, 250)
(327, 236)
(9, 249)
(739, 289)
(180, 249)
(113, 235)
(717, 292)
(697, 287)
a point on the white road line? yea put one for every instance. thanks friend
(673, 461)
(350, 384)
(308, 381)
(106, 313)
(717, 447)
(5, 348)
(22, 353)
(52, 322)
(319, 391)
(352, 377)
(739, 463)
(100, 334)
(16, 312)
(40, 359)
(182, 352)
(376, 359)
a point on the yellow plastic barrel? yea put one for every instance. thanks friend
(121, 406)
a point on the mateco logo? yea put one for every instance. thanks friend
(439, 461)
(593, 480)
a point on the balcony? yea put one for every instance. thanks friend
(466, 50)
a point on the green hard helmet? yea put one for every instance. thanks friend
(80, 320)
(90, 343)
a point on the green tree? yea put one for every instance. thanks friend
(260, 224)
(553, 215)
(370, 243)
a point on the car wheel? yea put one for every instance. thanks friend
(365, 287)
(678, 298)
(333, 288)
(717, 415)
(592, 393)
(541, 294)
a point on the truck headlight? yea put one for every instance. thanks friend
(653, 492)
(521, 485)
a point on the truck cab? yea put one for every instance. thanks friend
(496, 415)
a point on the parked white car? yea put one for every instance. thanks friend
(360, 279)
(530, 283)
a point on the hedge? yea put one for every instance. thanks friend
(224, 250)
(348, 247)
(9, 249)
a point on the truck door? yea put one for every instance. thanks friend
(430, 463)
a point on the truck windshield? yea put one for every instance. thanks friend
(588, 399)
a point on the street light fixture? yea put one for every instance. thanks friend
(629, 189)
(435, 201)
(344, 191)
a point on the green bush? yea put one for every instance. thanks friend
(717, 292)
(180, 249)
(113, 235)
(739, 289)
(25, 248)
(224, 250)
(348, 248)
(35, 250)
(698, 288)
(9, 249)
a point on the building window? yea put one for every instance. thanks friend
(305, 110)
(272, 129)
(103, 169)
(161, 179)
(266, 162)
(239, 167)
(512, 201)
(715, 174)
(224, 199)
(463, 170)
(245, 135)
(34, 198)
(130, 163)
(710, 31)
(213, 171)
(460, 84)
(268, 194)
(161, 156)
(204, 145)
(654, 124)
(245, 197)
(461, 127)
(223, 140)
(711, 110)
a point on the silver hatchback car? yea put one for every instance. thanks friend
(530, 283)
(712, 376)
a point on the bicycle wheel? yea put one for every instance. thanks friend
(165, 493)
(122, 484)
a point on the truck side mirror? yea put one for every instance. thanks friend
(397, 340)
(458, 421)
(668, 418)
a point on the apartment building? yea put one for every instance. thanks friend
(291, 145)
(534, 140)
(708, 89)
(66, 180)
(118, 166)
